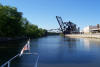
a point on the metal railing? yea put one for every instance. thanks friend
(26, 47)
(9, 61)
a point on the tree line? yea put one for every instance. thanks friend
(13, 24)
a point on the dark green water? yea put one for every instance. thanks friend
(56, 51)
(10, 49)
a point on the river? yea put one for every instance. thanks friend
(57, 51)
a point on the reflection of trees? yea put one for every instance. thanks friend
(10, 49)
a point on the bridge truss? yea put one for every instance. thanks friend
(67, 27)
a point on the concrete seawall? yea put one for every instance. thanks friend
(84, 35)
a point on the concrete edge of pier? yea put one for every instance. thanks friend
(83, 35)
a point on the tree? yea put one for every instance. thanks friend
(10, 24)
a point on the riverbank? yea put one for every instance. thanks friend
(84, 35)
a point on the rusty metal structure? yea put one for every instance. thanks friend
(67, 27)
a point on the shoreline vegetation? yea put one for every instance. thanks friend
(14, 26)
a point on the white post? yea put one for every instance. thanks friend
(8, 63)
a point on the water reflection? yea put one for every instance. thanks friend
(55, 49)
(71, 42)
(86, 43)
(10, 49)
(58, 50)
(91, 43)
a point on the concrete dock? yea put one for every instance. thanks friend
(84, 35)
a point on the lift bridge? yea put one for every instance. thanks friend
(67, 27)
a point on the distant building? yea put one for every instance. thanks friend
(92, 29)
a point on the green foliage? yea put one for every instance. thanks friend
(32, 30)
(9, 21)
(12, 24)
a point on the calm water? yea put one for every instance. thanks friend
(10, 49)
(56, 51)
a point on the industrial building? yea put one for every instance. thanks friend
(91, 29)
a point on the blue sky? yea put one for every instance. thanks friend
(43, 12)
